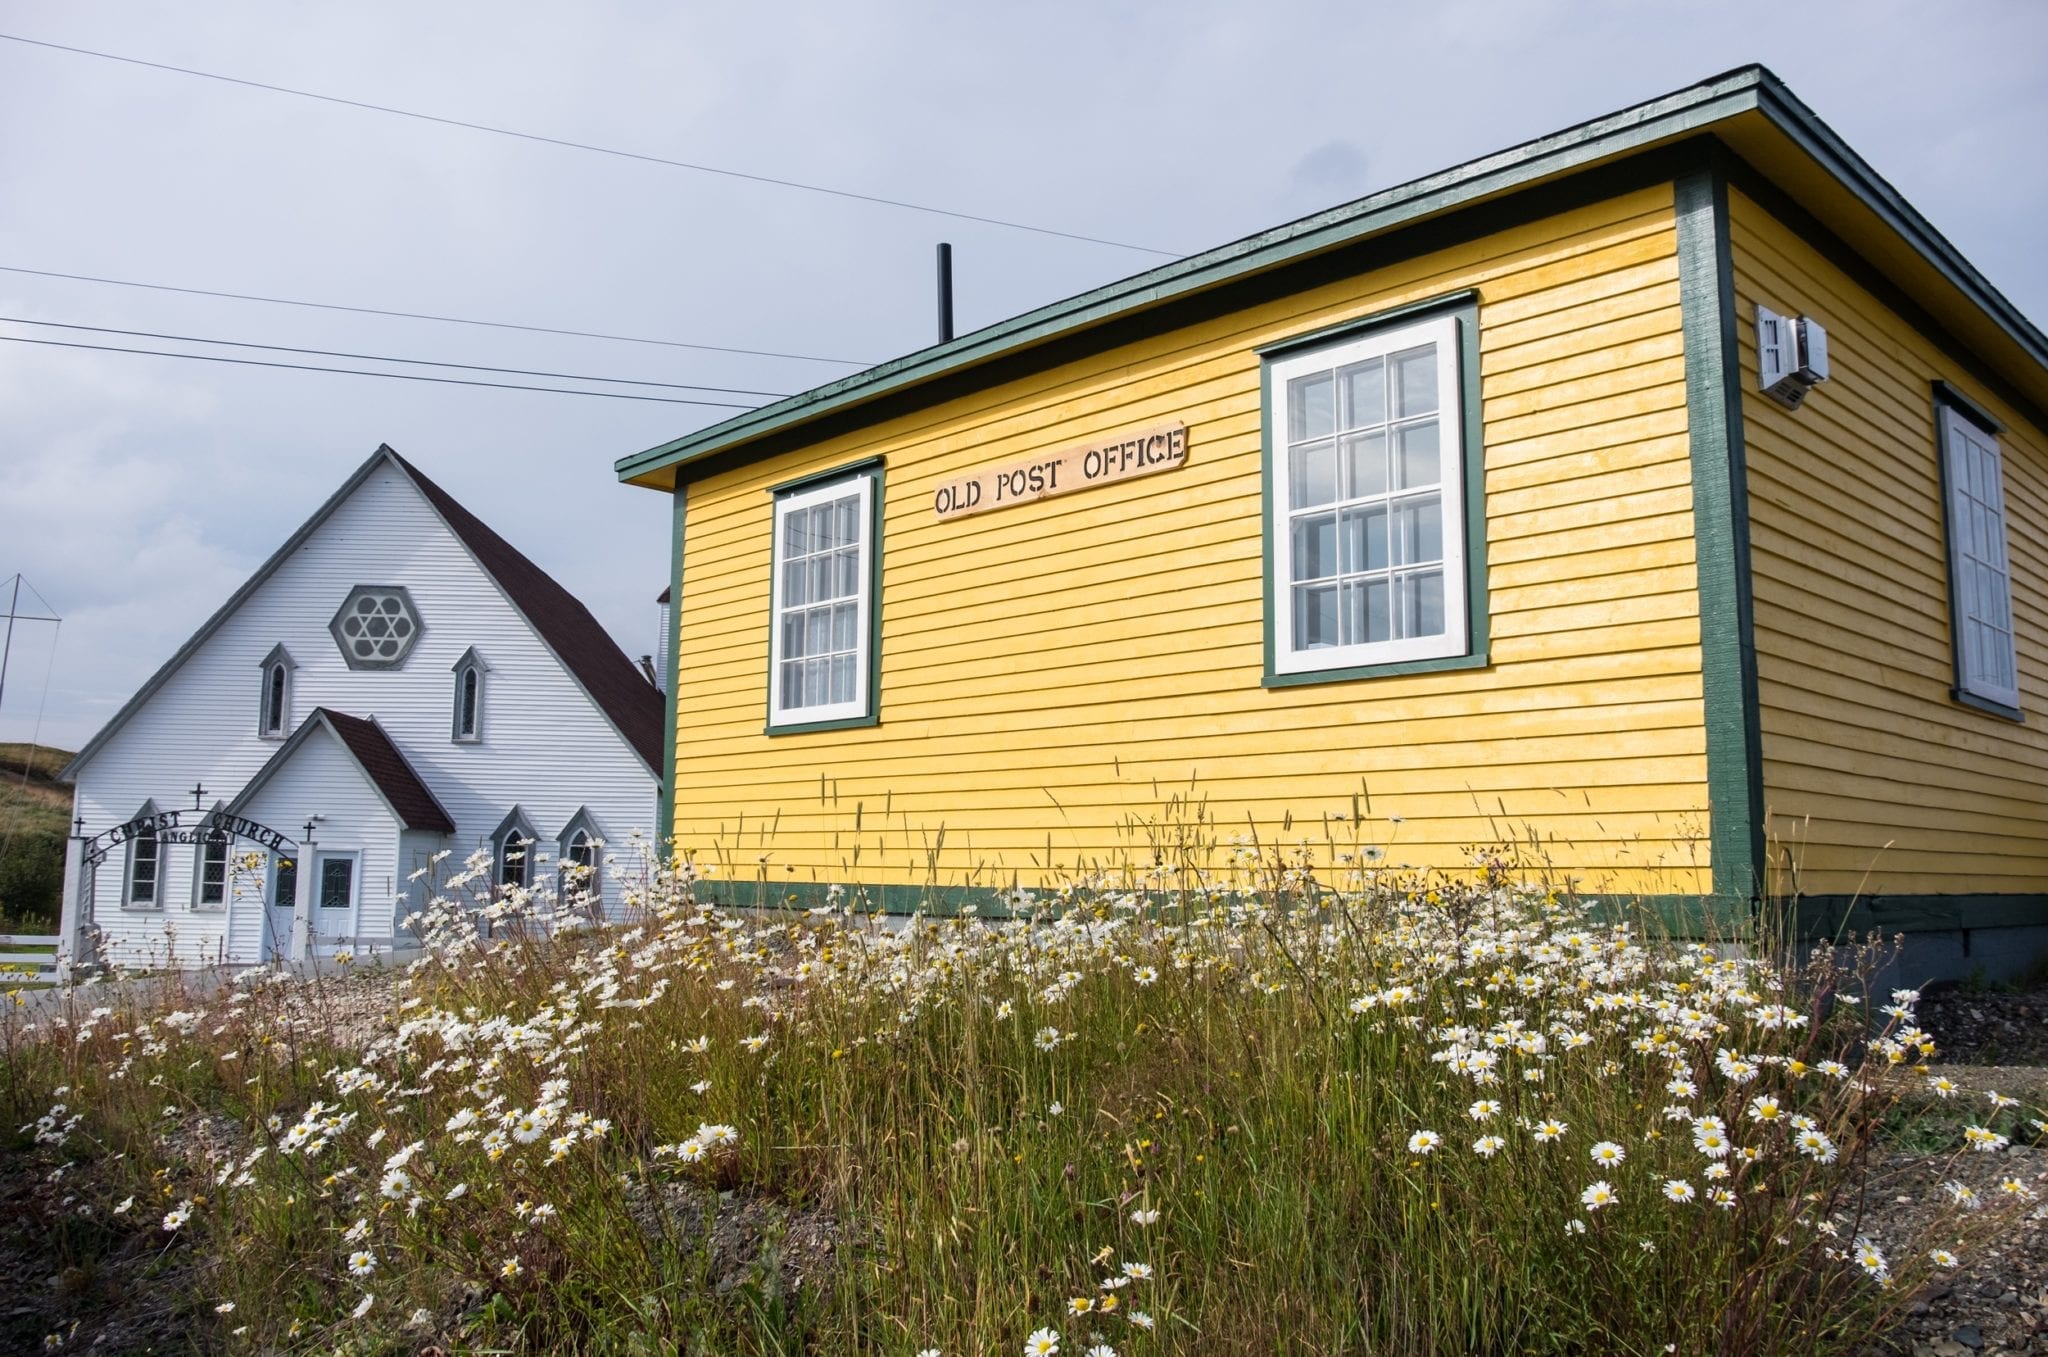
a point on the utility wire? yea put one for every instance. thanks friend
(386, 358)
(587, 146)
(421, 315)
(361, 372)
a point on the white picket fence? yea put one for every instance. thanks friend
(28, 959)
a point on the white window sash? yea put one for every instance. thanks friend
(1980, 571)
(863, 486)
(1288, 658)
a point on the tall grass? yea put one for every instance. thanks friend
(1225, 1098)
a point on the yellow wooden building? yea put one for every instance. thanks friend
(1463, 509)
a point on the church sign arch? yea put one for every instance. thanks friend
(188, 826)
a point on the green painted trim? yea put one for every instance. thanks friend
(1464, 308)
(871, 467)
(1266, 521)
(1826, 916)
(811, 478)
(1720, 493)
(812, 727)
(764, 892)
(1678, 916)
(1681, 917)
(1947, 395)
(1367, 671)
(665, 813)
(1360, 325)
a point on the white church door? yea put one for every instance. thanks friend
(336, 893)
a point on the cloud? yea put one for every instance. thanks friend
(1334, 172)
(138, 492)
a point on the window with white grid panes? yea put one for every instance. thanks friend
(819, 658)
(1368, 500)
(1980, 580)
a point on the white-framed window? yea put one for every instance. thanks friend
(142, 876)
(210, 869)
(274, 699)
(1368, 499)
(466, 714)
(1980, 576)
(821, 646)
(512, 852)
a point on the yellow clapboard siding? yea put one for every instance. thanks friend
(1541, 539)
(1194, 685)
(1568, 386)
(970, 733)
(1607, 433)
(1046, 647)
(1595, 491)
(1394, 788)
(1810, 765)
(1564, 569)
(1859, 718)
(1584, 514)
(1589, 404)
(1653, 295)
(1886, 782)
(1636, 338)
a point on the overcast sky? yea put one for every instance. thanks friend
(136, 493)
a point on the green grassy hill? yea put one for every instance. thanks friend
(34, 812)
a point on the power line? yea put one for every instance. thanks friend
(361, 372)
(386, 358)
(587, 146)
(421, 315)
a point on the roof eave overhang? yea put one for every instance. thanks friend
(1644, 127)
(1749, 109)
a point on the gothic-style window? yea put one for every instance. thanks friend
(274, 698)
(581, 846)
(512, 851)
(143, 884)
(466, 720)
(210, 889)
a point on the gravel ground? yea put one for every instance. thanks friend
(1988, 1027)
(1989, 1040)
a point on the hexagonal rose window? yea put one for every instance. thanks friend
(377, 626)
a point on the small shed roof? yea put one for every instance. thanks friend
(385, 768)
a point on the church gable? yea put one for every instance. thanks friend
(370, 626)
(385, 583)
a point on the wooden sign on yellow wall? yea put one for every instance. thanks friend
(1161, 448)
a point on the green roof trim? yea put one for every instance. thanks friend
(1660, 121)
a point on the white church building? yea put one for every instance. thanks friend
(396, 681)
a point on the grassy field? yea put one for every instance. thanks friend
(1245, 1102)
(35, 813)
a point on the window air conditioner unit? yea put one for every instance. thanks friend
(1792, 356)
